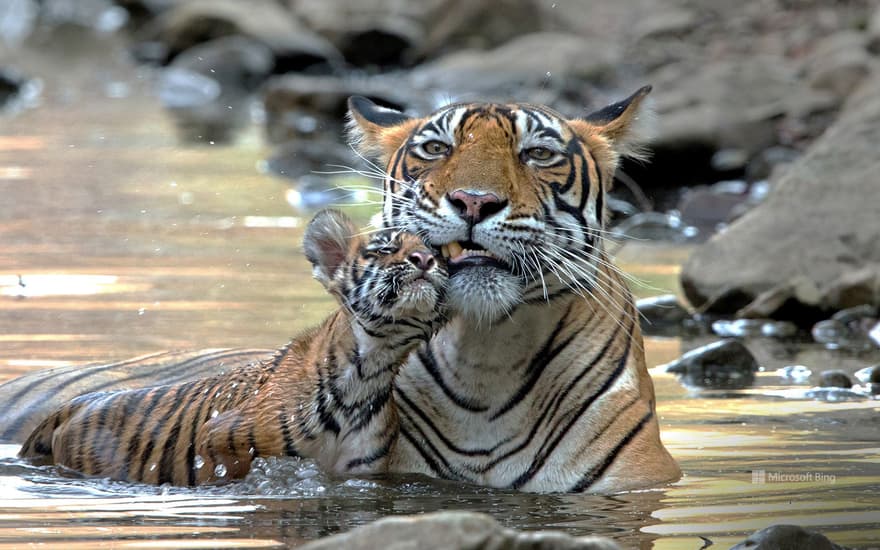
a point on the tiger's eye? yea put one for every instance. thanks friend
(435, 147)
(539, 153)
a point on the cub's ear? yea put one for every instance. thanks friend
(624, 125)
(330, 238)
(377, 132)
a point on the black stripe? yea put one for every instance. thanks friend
(549, 446)
(157, 431)
(289, 447)
(379, 453)
(429, 362)
(539, 362)
(134, 441)
(430, 424)
(201, 417)
(597, 472)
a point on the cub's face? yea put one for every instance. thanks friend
(512, 195)
(388, 275)
(395, 274)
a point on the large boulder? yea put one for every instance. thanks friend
(796, 255)
(453, 530)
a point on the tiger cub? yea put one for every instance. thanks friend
(327, 395)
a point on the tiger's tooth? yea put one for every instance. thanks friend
(454, 249)
(444, 250)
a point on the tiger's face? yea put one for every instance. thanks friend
(511, 195)
(386, 276)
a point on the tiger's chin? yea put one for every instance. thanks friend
(483, 294)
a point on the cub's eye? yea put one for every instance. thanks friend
(541, 154)
(435, 148)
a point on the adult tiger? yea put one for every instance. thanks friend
(538, 383)
(326, 395)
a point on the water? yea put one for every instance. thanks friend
(115, 240)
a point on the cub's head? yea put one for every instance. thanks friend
(382, 277)
(513, 195)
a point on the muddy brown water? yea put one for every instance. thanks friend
(116, 240)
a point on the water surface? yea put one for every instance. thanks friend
(117, 240)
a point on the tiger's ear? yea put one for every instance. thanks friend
(625, 125)
(330, 239)
(377, 132)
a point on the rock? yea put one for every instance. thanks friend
(671, 22)
(834, 395)
(746, 328)
(726, 364)
(17, 91)
(207, 88)
(796, 373)
(294, 46)
(874, 334)
(834, 379)
(786, 537)
(873, 44)
(839, 63)
(372, 33)
(733, 103)
(774, 249)
(453, 530)
(302, 106)
(656, 226)
(737, 328)
(869, 375)
(17, 20)
(662, 315)
(707, 206)
(521, 69)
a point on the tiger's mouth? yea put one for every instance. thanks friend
(463, 254)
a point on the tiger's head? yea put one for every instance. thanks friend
(513, 195)
(381, 277)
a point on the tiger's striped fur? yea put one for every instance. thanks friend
(326, 395)
(538, 382)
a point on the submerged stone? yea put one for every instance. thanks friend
(834, 379)
(453, 530)
(662, 315)
(726, 364)
(786, 537)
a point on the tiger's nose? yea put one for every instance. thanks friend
(475, 207)
(422, 259)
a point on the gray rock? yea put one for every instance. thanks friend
(301, 106)
(453, 530)
(874, 335)
(730, 104)
(834, 379)
(839, 63)
(656, 226)
(207, 88)
(662, 315)
(727, 364)
(737, 328)
(873, 43)
(294, 46)
(795, 373)
(774, 249)
(521, 69)
(786, 537)
(372, 33)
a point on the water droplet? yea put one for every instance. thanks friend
(153, 467)
(215, 413)
(220, 470)
(198, 462)
(229, 395)
(141, 311)
(251, 451)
